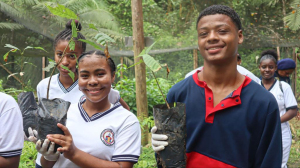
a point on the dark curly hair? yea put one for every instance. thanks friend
(110, 61)
(221, 9)
(67, 34)
(269, 54)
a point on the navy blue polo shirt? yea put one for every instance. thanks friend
(243, 130)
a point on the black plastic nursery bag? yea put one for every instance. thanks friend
(171, 122)
(51, 112)
(28, 107)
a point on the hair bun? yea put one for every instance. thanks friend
(270, 52)
(69, 25)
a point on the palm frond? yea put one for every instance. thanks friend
(12, 26)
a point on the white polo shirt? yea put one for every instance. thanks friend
(285, 100)
(71, 94)
(113, 135)
(11, 127)
(240, 69)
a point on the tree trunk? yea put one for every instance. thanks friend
(195, 54)
(140, 69)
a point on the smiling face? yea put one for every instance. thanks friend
(69, 59)
(218, 38)
(95, 78)
(267, 69)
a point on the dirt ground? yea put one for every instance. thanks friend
(294, 159)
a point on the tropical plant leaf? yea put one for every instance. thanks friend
(13, 74)
(92, 26)
(149, 48)
(28, 47)
(91, 43)
(151, 62)
(6, 54)
(72, 45)
(11, 46)
(62, 11)
(40, 48)
(71, 74)
(103, 38)
(50, 65)
(74, 29)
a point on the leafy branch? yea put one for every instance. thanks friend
(154, 66)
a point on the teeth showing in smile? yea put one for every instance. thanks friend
(214, 48)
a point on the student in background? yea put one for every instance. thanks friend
(284, 96)
(285, 68)
(11, 132)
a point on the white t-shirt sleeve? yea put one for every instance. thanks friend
(128, 143)
(114, 96)
(289, 98)
(11, 127)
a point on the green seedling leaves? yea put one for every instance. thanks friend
(29, 47)
(151, 62)
(91, 43)
(62, 11)
(6, 54)
(12, 75)
(74, 29)
(72, 45)
(11, 46)
(50, 65)
(102, 38)
(71, 74)
(92, 26)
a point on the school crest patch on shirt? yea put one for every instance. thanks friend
(107, 137)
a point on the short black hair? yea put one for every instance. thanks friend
(269, 54)
(224, 10)
(67, 34)
(110, 61)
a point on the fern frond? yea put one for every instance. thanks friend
(293, 20)
(8, 9)
(12, 26)
(100, 18)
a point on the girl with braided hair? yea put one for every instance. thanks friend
(97, 132)
(285, 98)
(61, 85)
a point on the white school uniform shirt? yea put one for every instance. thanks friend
(240, 69)
(113, 135)
(11, 127)
(286, 100)
(71, 94)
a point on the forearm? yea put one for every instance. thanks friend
(291, 113)
(47, 164)
(83, 159)
(12, 162)
(124, 104)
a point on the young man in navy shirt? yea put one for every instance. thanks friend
(231, 121)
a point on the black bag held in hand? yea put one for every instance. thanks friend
(51, 112)
(28, 107)
(171, 122)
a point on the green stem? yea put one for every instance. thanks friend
(161, 90)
